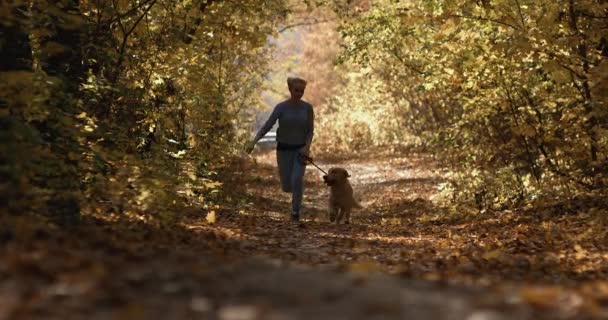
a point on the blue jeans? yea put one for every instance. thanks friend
(291, 171)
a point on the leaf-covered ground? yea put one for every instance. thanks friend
(401, 258)
(552, 256)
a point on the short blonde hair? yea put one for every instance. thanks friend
(291, 81)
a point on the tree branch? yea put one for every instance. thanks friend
(128, 13)
(521, 16)
(190, 34)
(126, 37)
(484, 19)
(409, 66)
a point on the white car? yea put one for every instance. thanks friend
(268, 140)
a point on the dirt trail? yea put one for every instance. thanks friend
(384, 186)
(342, 271)
(401, 258)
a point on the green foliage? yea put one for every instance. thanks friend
(353, 121)
(133, 105)
(509, 92)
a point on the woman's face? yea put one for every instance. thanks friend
(297, 91)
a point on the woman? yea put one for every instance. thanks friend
(294, 137)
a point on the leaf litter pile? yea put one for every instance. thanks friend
(402, 256)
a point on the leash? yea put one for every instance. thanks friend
(309, 160)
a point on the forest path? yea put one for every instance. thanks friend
(400, 258)
(508, 257)
(392, 191)
(326, 271)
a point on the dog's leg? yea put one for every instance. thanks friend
(333, 211)
(340, 214)
(347, 215)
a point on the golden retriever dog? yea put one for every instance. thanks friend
(341, 200)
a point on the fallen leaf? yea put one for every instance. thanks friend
(541, 296)
(211, 216)
(364, 267)
(490, 255)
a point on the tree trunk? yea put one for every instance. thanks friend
(61, 50)
(15, 50)
(15, 56)
(582, 50)
(61, 58)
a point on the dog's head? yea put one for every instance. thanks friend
(336, 176)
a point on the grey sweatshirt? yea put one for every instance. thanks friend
(296, 123)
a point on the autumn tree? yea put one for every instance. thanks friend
(16, 62)
(131, 102)
(504, 90)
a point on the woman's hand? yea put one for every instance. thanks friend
(305, 155)
(304, 151)
(249, 146)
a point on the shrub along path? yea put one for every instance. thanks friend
(401, 258)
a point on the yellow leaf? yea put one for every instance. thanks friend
(191, 175)
(431, 276)
(494, 254)
(211, 216)
(580, 253)
(212, 184)
(364, 267)
(540, 296)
